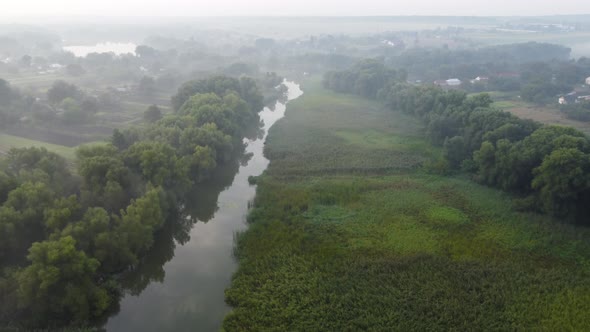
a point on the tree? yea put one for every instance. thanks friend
(147, 85)
(89, 105)
(107, 182)
(140, 220)
(157, 163)
(563, 179)
(61, 90)
(245, 87)
(59, 284)
(61, 213)
(74, 69)
(24, 213)
(7, 184)
(26, 60)
(145, 51)
(152, 114)
(73, 113)
(454, 151)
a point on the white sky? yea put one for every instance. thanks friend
(10, 8)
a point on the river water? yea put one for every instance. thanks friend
(181, 286)
(106, 47)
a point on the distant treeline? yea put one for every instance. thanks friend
(66, 236)
(538, 71)
(442, 63)
(549, 166)
(366, 78)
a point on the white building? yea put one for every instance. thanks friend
(454, 82)
(588, 81)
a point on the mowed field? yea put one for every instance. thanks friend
(544, 114)
(9, 141)
(348, 232)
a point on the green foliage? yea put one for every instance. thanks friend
(403, 251)
(563, 182)
(578, 111)
(59, 284)
(506, 150)
(220, 85)
(366, 79)
(82, 230)
(376, 141)
(454, 151)
(61, 90)
(147, 85)
(152, 114)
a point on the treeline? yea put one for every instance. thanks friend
(443, 63)
(65, 103)
(549, 166)
(65, 237)
(539, 71)
(542, 82)
(577, 111)
(366, 78)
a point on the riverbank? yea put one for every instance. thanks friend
(180, 286)
(349, 232)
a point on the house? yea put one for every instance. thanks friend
(453, 82)
(441, 82)
(480, 79)
(588, 81)
(570, 98)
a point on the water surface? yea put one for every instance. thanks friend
(107, 47)
(182, 289)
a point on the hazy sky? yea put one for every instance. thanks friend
(285, 7)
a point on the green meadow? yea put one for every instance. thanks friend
(350, 232)
(8, 142)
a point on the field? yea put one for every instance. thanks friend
(544, 114)
(64, 138)
(348, 232)
(9, 141)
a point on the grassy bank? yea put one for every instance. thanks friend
(349, 233)
(548, 114)
(9, 141)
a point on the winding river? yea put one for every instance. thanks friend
(181, 285)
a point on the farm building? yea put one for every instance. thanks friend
(453, 82)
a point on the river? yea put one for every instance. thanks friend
(106, 47)
(181, 286)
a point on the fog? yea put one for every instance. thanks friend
(192, 165)
(27, 8)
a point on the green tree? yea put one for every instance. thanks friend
(562, 180)
(147, 85)
(61, 90)
(152, 114)
(158, 164)
(454, 151)
(59, 284)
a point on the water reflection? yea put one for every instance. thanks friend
(180, 285)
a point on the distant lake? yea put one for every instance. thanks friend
(117, 48)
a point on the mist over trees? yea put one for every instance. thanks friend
(64, 236)
(501, 150)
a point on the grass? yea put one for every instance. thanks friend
(543, 114)
(348, 233)
(342, 139)
(9, 141)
